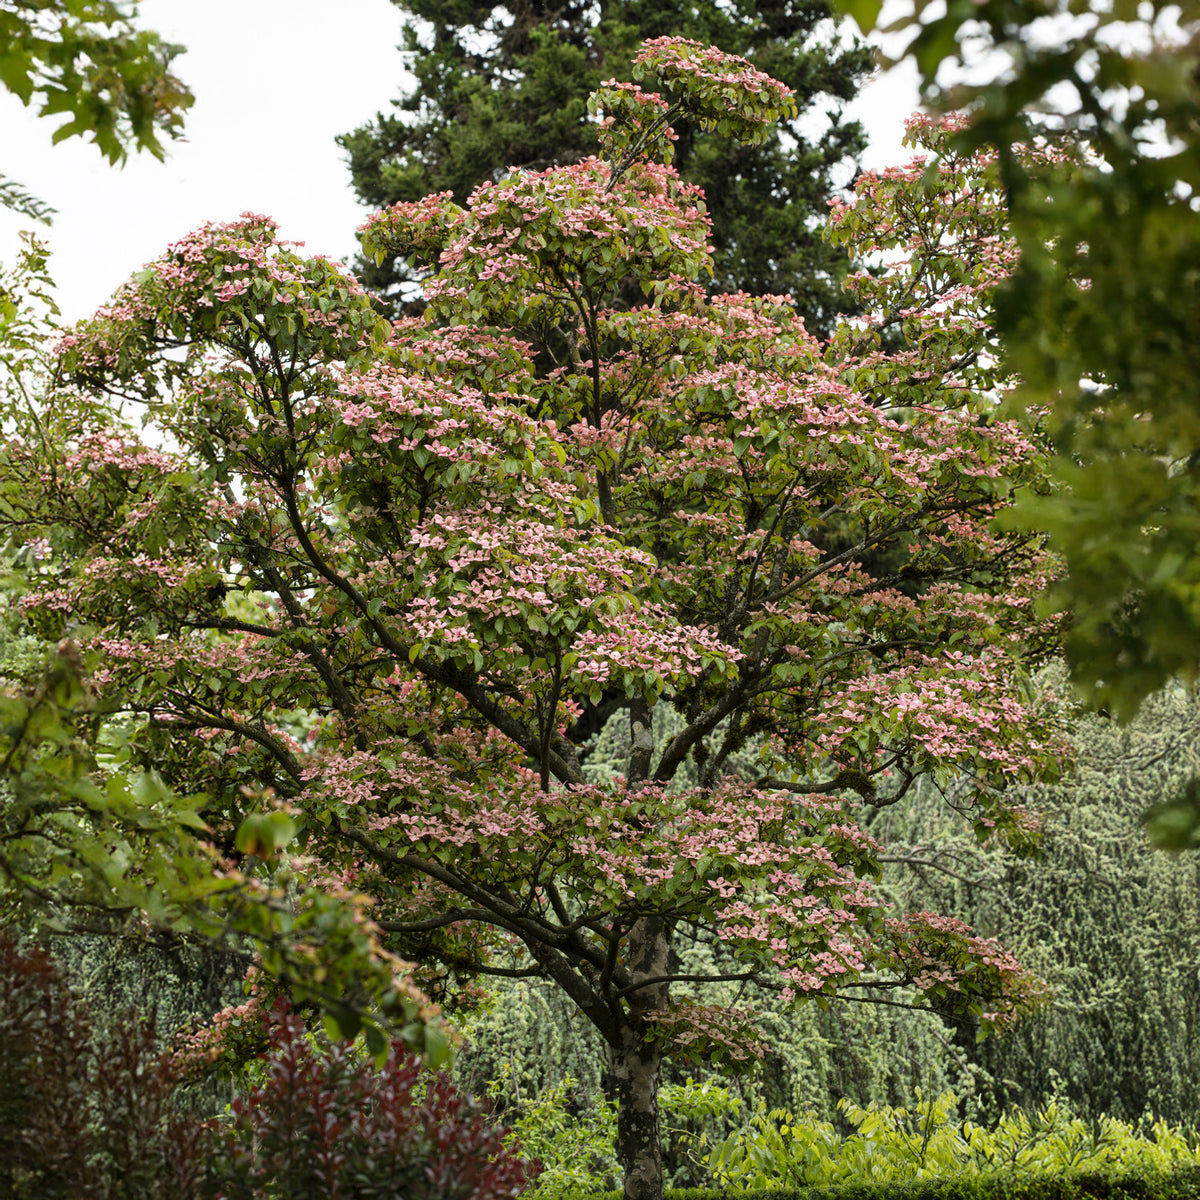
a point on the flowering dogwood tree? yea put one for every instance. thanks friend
(391, 576)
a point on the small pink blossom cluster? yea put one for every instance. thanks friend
(643, 100)
(957, 969)
(697, 1033)
(104, 449)
(965, 714)
(220, 267)
(647, 644)
(519, 235)
(632, 122)
(196, 1053)
(569, 586)
(91, 591)
(422, 226)
(704, 73)
(247, 660)
(393, 411)
(486, 359)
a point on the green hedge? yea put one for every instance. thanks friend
(1176, 1185)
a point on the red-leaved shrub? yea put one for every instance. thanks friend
(96, 1112)
(86, 1112)
(325, 1124)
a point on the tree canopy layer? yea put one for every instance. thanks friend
(91, 837)
(502, 86)
(376, 583)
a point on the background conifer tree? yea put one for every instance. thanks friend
(507, 85)
(1109, 922)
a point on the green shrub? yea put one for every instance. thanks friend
(902, 1145)
(576, 1144)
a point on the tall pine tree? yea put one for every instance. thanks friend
(506, 85)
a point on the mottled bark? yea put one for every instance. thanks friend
(641, 742)
(635, 1064)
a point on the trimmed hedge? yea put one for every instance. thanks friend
(1176, 1185)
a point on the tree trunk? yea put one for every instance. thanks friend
(635, 1065)
(634, 1074)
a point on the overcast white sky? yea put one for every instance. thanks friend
(275, 81)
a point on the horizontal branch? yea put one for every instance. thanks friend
(439, 922)
(654, 980)
(477, 968)
(934, 865)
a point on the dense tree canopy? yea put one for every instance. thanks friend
(502, 86)
(377, 579)
(91, 837)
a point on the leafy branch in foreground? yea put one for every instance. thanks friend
(88, 848)
(86, 60)
(1100, 316)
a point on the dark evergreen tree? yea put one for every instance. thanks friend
(506, 85)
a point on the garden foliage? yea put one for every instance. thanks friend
(323, 1121)
(100, 1111)
(368, 594)
(930, 1141)
(87, 1112)
(1109, 922)
(1181, 1184)
(544, 1069)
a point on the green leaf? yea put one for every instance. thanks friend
(437, 1047)
(345, 1021)
(377, 1044)
(865, 12)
